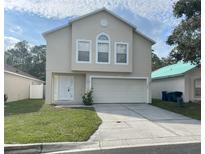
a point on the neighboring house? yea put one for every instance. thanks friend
(102, 51)
(17, 83)
(183, 77)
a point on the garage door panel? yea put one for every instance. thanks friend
(119, 90)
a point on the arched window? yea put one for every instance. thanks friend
(103, 49)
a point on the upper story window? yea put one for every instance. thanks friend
(121, 53)
(83, 51)
(103, 49)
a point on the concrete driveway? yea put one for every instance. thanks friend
(128, 125)
(142, 124)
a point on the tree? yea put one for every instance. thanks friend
(158, 62)
(28, 59)
(186, 37)
(38, 61)
(19, 56)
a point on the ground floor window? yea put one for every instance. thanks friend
(197, 87)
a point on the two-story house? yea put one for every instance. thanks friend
(102, 51)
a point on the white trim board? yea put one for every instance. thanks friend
(122, 77)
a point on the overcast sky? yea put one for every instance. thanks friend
(27, 19)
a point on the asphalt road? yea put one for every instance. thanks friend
(191, 148)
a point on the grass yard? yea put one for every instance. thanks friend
(192, 110)
(32, 121)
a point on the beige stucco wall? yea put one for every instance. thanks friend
(141, 63)
(88, 28)
(189, 86)
(17, 87)
(61, 52)
(168, 84)
(58, 55)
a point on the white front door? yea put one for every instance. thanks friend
(63, 88)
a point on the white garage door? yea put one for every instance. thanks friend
(106, 90)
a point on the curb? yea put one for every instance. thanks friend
(44, 147)
(23, 149)
(65, 147)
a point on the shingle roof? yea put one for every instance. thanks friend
(17, 71)
(172, 70)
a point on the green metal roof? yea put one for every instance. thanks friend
(172, 70)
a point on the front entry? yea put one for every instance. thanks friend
(63, 88)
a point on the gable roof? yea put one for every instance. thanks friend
(97, 11)
(173, 70)
(14, 70)
(104, 9)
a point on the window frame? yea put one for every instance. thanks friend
(196, 87)
(115, 57)
(90, 51)
(109, 48)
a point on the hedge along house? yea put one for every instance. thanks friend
(99, 50)
(17, 83)
(183, 77)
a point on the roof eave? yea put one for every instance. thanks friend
(33, 78)
(169, 76)
(146, 37)
(55, 29)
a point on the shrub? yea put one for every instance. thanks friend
(88, 98)
(5, 97)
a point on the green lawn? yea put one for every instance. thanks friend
(192, 110)
(32, 121)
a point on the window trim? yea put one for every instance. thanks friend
(115, 54)
(109, 50)
(90, 51)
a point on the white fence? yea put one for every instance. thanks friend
(36, 91)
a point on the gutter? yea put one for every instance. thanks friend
(55, 29)
(170, 76)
